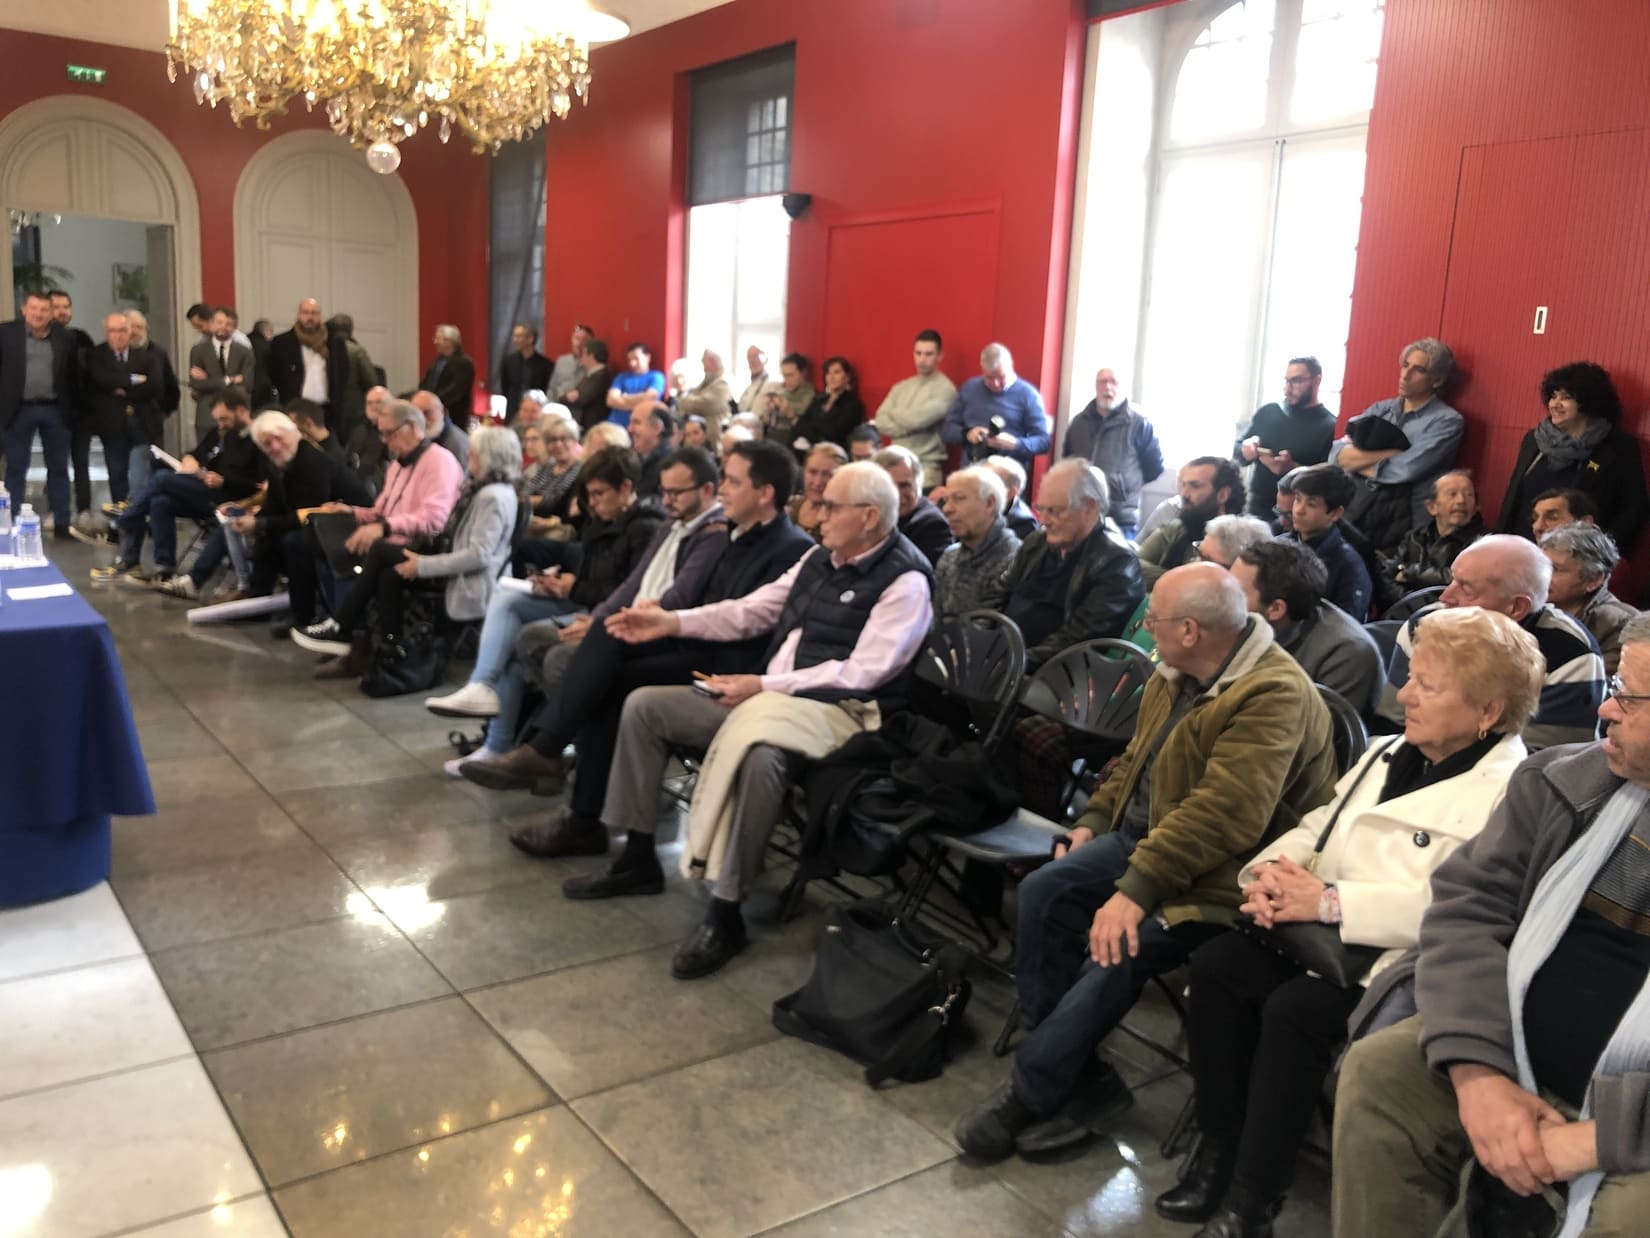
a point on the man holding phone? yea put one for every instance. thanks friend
(1283, 436)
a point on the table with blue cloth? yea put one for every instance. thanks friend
(69, 754)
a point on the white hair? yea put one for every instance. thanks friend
(988, 487)
(277, 423)
(1235, 534)
(869, 483)
(448, 332)
(1523, 571)
(499, 452)
(894, 455)
(1088, 484)
(1011, 471)
(404, 413)
(606, 434)
(1216, 604)
(994, 355)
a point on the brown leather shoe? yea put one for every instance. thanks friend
(564, 834)
(521, 769)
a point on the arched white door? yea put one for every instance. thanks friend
(312, 220)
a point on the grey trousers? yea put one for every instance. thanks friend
(657, 719)
(542, 656)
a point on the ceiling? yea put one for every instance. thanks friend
(143, 23)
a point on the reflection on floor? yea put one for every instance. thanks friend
(412, 1033)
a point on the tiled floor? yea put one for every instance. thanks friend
(344, 1005)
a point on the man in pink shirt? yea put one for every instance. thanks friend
(845, 625)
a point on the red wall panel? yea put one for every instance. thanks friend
(448, 184)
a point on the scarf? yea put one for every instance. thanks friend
(1567, 450)
(312, 338)
(1551, 909)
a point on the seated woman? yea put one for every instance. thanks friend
(481, 528)
(805, 509)
(783, 407)
(695, 433)
(1578, 445)
(553, 472)
(1263, 1032)
(834, 412)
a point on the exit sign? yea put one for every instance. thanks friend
(87, 74)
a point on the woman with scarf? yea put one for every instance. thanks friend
(1578, 445)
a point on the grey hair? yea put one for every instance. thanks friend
(987, 485)
(538, 397)
(440, 409)
(1088, 484)
(606, 434)
(275, 422)
(994, 355)
(1235, 534)
(1012, 472)
(869, 483)
(894, 455)
(1528, 572)
(1440, 360)
(1218, 606)
(404, 413)
(137, 315)
(448, 332)
(750, 421)
(1637, 629)
(1432, 488)
(1593, 550)
(499, 450)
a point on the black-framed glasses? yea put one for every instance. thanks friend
(1616, 691)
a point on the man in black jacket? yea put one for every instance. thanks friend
(162, 404)
(80, 445)
(523, 368)
(119, 391)
(310, 361)
(39, 382)
(451, 376)
(919, 519)
(1321, 495)
(588, 401)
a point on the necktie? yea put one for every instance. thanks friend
(223, 357)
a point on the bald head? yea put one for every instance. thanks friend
(377, 398)
(1501, 573)
(435, 413)
(1198, 614)
(309, 313)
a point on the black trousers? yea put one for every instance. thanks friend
(379, 583)
(1262, 1035)
(117, 455)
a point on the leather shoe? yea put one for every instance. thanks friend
(521, 769)
(1100, 1094)
(1201, 1188)
(988, 1131)
(563, 835)
(708, 949)
(1231, 1224)
(625, 882)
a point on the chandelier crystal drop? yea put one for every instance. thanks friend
(492, 70)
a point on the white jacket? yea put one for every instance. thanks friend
(1381, 857)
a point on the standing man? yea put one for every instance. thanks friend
(750, 400)
(451, 376)
(914, 407)
(569, 367)
(63, 316)
(360, 375)
(1117, 439)
(309, 361)
(997, 411)
(524, 368)
(217, 362)
(588, 400)
(711, 398)
(639, 384)
(1282, 436)
(119, 393)
(38, 386)
(162, 404)
(200, 318)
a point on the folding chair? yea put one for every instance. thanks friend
(1349, 734)
(1385, 634)
(1407, 605)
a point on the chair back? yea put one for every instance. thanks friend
(524, 518)
(978, 659)
(1348, 734)
(1384, 632)
(1407, 605)
(1093, 687)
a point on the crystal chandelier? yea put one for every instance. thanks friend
(495, 70)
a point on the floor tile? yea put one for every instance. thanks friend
(330, 1096)
(246, 1218)
(519, 931)
(539, 1174)
(87, 1021)
(88, 927)
(948, 1199)
(179, 781)
(564, 1024)
(329, 814)
(749, 1141)
(178, 738)
(443, 860)
(227, 992)
(120, 1152)
(204, 831)
(309, 723)
(362, 758)
(296, 885)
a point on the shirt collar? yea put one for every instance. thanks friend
(859, 558)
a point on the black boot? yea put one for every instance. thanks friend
(1202, 1186)
(1242, 1222)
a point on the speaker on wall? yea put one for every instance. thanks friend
(796, 204)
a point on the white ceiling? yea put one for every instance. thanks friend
(143, 23)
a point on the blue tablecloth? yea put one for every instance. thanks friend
(69, 754)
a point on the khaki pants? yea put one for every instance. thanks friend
(1399, 1148)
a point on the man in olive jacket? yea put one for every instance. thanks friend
(1231, 748)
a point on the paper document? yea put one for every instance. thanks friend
(29, 592)
(170, 461)
(514, 584)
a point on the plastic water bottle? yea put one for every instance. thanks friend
(5, 522)
(29, 548)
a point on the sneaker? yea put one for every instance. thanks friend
(114, 510)
(988, 1131)
(180, 586)
(113, 571)
(323, 637)
(473, 700)
(144, 578)
(451, 768)
(91, 536)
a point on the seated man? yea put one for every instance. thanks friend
(363, 449)
(1553, 509)
(997, 411)
(1284, 583)
(863, 442)
(221, 468)
(843, 628)
(1209, 486)
(1075, 578)
(1322, 492)
(653, 438)
(1016, 511)
(919, 519)
(1231, 748)
(311, 420)
(911, 413)
(1547, 1086)
(985, 545)
(1583, 556)
(1506, 573)
(1392, 481)
(1422, 560)
(441, 429)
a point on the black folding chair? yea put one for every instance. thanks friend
(1407, 605)
(1384, 632)
(1349, 734)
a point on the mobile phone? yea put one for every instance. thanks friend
(234, 511)
(703, 688)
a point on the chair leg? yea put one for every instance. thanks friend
(1005, 1038)
(1183, 1136)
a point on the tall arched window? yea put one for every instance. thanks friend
(1255, 228)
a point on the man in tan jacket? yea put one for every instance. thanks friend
(1231, 748)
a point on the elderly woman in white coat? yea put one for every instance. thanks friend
(1263, 1031)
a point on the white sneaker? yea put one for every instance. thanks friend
(323, 637)
(451, 768)
(180, 586)
(473, 700)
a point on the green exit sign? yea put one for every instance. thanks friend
(87, 74)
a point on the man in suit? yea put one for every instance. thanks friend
(216, 362)
(121, 391)
(451, 376)
(309, 362)
(523, 369)
(63, 316)
(38, 386)
(163, 401)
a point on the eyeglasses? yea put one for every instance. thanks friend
(830, 506)
(1615, 690)
(677, 492)
(1203, 556)
(1149, 620)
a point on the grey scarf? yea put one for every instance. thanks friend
(1567, 450)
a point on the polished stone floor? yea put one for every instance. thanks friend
(323, 995)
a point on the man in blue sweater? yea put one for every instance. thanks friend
(997, 412)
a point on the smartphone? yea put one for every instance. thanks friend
(703, 688)
(234, 511)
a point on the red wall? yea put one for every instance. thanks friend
(1461, 80)
(448, 184)
(901, 106)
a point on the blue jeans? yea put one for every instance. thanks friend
(140, 467)
(221, 541)
(1129, 530)
(167, 496)
(55, 438)
(496, 664)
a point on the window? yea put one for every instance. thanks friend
(516, 251)
(740, 140)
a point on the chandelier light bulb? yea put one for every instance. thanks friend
(383, 157)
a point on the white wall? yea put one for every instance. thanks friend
(90, 248)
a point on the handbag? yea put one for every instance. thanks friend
(887, 993)
(411, 663)
(1484, 1208)
(1311, 946)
